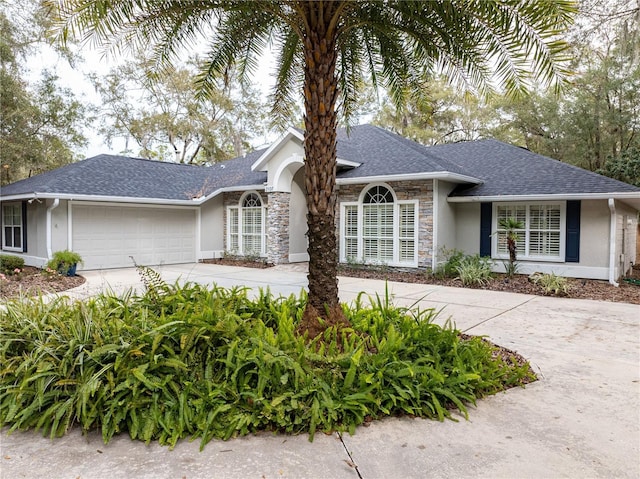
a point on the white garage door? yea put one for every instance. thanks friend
(106, 236)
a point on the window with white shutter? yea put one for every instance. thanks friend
(245, 226)
(379, 229)
(542, 234)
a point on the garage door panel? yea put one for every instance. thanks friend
(106, 236)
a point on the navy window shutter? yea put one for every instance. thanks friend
(572, 245)
(485, 228)
(24, 226)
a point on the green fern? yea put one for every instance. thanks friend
(154, 285)
(213, 363)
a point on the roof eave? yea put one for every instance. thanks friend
(126, 199)
(630, 197)
(229, 189)
(434, 175)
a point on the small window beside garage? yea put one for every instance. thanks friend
(12, 227)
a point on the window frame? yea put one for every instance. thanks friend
(359, 228)
(13, 227)
(527, 230)
(240, 233)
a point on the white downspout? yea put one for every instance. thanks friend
(53, 206)
(612, 242)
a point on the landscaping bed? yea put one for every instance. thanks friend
(519, 283)
(33, 281)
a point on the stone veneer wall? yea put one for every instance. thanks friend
(277, 225)
(404, 190)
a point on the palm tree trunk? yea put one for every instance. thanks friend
(320, 92)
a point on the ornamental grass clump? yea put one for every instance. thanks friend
(474, 270)
(189, 361)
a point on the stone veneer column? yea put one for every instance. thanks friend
(278, 227)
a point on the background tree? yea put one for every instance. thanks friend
(41, 124)
(160, 112)
(325, 49)
(436, 112)
(597, 115)
(625, 167)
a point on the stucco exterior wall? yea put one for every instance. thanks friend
(36, 226)
(445, 220)
(211, 235)
(60, 226)
(298, 219)
(288, 150)
(36, 232)
(594, 241)
(594, 233)
(467, 227)
(404, 190)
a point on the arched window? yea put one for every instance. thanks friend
(377, 225)
(379, 229)
(246, 231)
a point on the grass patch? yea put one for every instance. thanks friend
(207, 362)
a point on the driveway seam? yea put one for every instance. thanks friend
(351, 462)
(500, 313)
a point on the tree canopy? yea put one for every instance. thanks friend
(41, 123)
(167, 121)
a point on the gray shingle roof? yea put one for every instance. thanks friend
(508, 170)
(381, 153)
(120, 176)
(504, 170)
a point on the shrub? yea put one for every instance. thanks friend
(551, 283)
(474, 270)
(63, 261)
(9, 263)
(452, 259)
(211, 363)
(510, 269)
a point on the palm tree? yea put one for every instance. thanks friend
(326, 48)
(511, 227)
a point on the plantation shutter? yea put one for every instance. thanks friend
(351, 232)
(572, 246)
(406, 235)
(234, 241)
(485, 229)
(544, 230)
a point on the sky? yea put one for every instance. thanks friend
(93, 61)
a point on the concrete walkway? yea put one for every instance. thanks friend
(581, 420)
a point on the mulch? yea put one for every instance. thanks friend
(519, 283)
(32, 281)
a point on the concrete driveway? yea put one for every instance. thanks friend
(581, 420)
